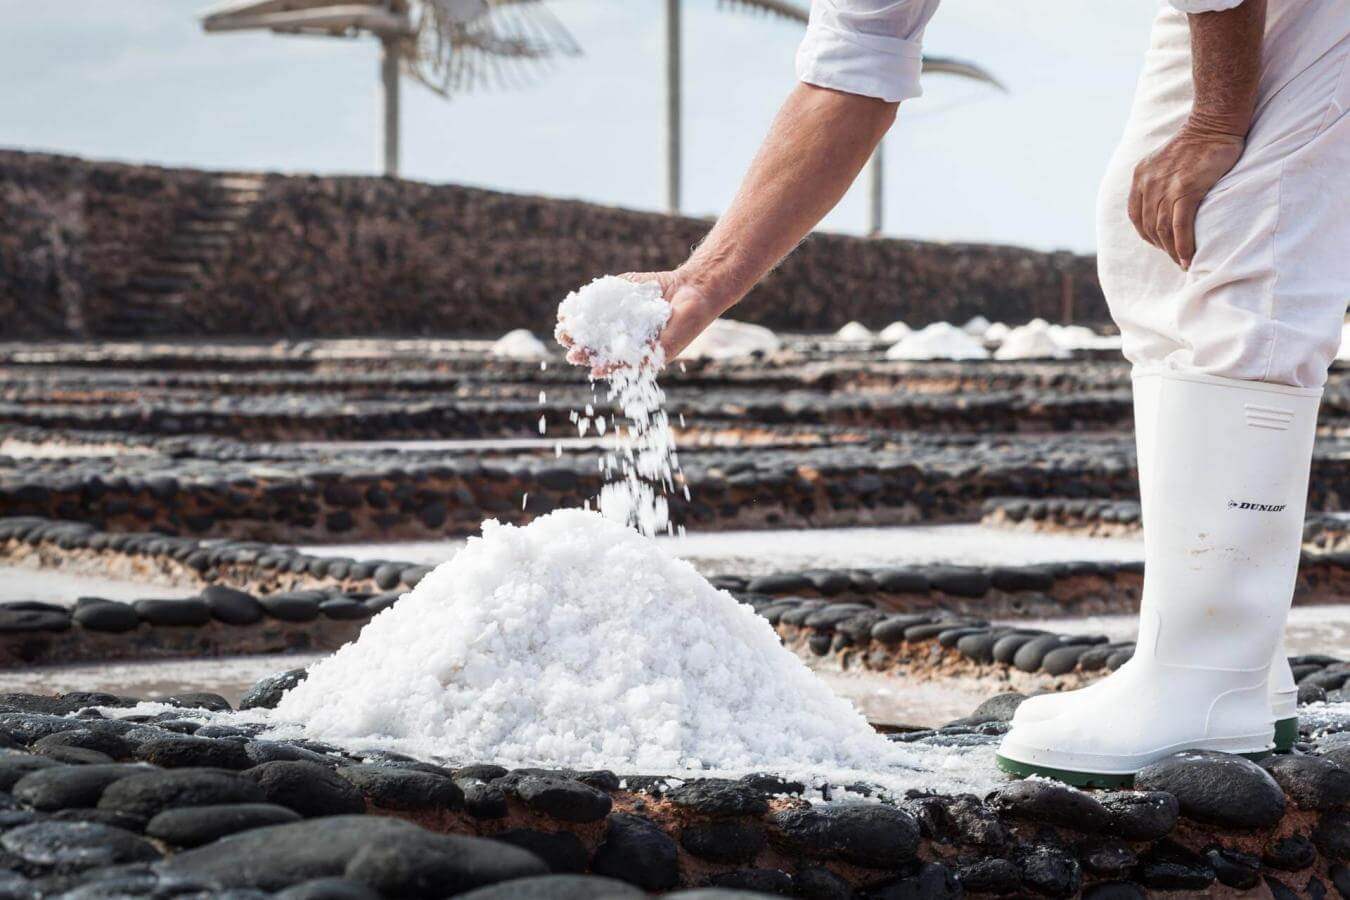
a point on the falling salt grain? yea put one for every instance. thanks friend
(543, 426)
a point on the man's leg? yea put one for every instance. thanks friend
(1263, 302)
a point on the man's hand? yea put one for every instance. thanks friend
(691, 313)
(1170, 184)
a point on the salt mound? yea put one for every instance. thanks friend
(1031, 341)
(575, 642)
(519, 344)
(976, 326)
(941, 340)
(996, 333)
(616, 320)
(729, 339)
(855, 333)
(894, 332)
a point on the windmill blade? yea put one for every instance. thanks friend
(945, 65)
(462, 45)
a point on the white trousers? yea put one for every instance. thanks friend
(1266, 294)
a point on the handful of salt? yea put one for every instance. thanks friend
(614, 323)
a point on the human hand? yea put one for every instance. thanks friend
(690, 313)
(1170, 184)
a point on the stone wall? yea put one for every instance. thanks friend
(75, 234)
(360, 255)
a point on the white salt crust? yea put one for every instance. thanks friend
(894, 332)
(729, 339)
(576, 642)
(519, 344)
(1033, 340)
(941, 340)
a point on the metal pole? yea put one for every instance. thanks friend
(389, 75)
(876, 190)
(673, 106)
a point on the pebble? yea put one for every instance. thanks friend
(308, 788)
(233, 607)
(328, 889)
(393, 788)
(1141, 815)
(185, 750)
(637, 851)
(196, 825)
(1050, 804)
(563, 798)
(872, 836)
(1311, 782)
(75, 846)
(150, 794)
(558, 887)
(64, 787)
(723, 841)
(267, 693)
(719, 797)
(1217, 789)
(562, 851)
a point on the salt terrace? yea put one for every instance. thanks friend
(258, 503)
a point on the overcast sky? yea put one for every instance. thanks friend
(140, 81)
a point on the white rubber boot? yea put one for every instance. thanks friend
(1283, 690)
(1225, 490)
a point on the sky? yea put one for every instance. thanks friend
(141, 82)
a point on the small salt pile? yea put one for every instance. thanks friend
(941, 340)
(518, 344)
(1033, 340)
(617, 322)
(854, 333)
(729, 339)
(575, 642)
(894, 332)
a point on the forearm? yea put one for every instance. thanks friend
(1226, 61)
(817, 145)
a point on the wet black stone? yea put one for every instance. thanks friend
(394, 858)
(960, 582)
(1290, 854)
(719, 797)
(199, 700)
(1141, 815)
(1062, 660)
(873, 836)
(933, 881)
(1049, 871)
(600, 779)
(1168, 866)
(891, 630)
(107, 616)
(723, 841)
(68, 786)
(998, 708)
(979, 646)
(1023, 578)
(1310, 781)
(1050, 804)
(563, 798)
(308, 788)
(344, 609)
(778, 584)
(1332, 835)
(1217, 789)
(1340, 878)
(76, 756)
(637, 851)
(484, 801)
(562, 851)
(1030, 655)
(1114, 890)
(902, 581)
(267, 693)
(150, 794)
(1005, 648)
(231, 606)
(1310, 693)
(14, 766)
(976, 824)
(21, 621)
(292, 606)
(990, 876)
(393, 788)
(328, 889)
(1107, 857)
(196, 825)
(756, 882)
(1234, 868)
(189, 751)
(100, 817)
(558, 887)
(186, 612)
(925, 632)
(281, 751)
(74, 846)
(820, 884)
(1279, 890)
(772, 785)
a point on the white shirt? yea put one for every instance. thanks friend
(875, 47)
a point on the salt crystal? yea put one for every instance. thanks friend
(575, 642)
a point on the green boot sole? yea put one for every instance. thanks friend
(1286, 732)
(1088, 779)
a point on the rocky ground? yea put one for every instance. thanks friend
(196, 469)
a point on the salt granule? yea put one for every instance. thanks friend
(575, 642)
(617, 322)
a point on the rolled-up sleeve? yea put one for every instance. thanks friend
(1204, 6)
(868, 47)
